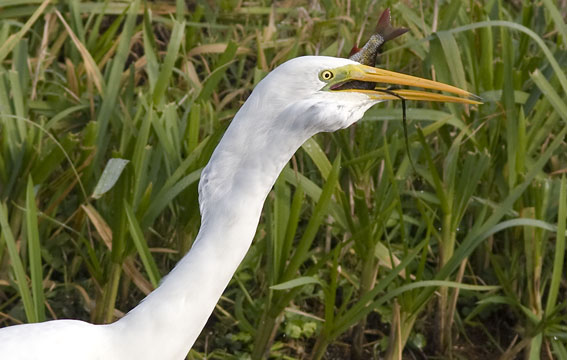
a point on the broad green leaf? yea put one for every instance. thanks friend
(300, 281)
(110, 175)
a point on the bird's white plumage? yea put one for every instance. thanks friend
(284, 110)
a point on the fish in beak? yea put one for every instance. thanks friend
(384, 32)
(382, 84)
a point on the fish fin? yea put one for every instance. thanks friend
(354, 50)
(386, 30)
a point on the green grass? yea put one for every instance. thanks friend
(109, 111)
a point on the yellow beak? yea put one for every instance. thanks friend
(387, 83)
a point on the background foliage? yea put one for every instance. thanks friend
(109, 110)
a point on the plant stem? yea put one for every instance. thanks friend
(398, 339)
(264, 336)
(109, 297)
(320, 347)
(367, 281)
(447, 249)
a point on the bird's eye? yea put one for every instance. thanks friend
(326, 75)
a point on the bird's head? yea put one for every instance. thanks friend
(322, 94)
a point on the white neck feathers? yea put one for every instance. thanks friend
(232, 191)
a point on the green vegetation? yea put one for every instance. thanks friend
(109, 110)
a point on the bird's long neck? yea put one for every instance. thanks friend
(233, 189)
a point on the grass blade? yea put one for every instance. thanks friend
(314, 222)
(170, 57)
(17, 266)
(113, 82)
(557, 273)
(15, 38)
(34, 252)
(142, 246)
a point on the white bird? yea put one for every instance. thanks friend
(297, 100)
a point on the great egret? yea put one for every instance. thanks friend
(300, 98)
